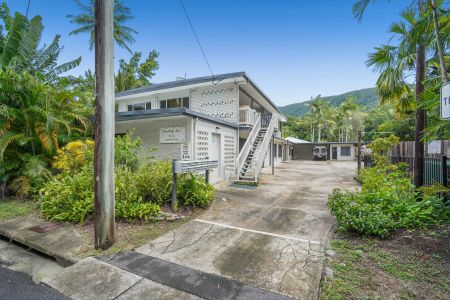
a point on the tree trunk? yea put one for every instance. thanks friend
(105, 231)
(312, 135)
(420, 117)
(318, 134)
(439, 43)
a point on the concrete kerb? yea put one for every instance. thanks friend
(39, 243)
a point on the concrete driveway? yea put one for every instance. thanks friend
(271, 237)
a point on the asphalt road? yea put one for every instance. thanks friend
(19, 286)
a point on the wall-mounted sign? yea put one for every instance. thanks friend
(186, 152)
(445, 101)
(172, 135)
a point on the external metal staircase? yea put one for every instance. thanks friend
(252, 154)
(248, 169)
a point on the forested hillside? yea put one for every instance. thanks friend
(367, 98)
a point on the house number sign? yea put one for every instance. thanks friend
(172, 135)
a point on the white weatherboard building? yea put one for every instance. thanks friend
(225, 118)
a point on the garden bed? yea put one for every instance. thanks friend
(408, 265)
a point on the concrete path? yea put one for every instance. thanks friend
(271, 237)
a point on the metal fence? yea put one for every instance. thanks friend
(436, 164)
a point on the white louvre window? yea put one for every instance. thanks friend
(345, 151)
(174, 103)
(140, 106)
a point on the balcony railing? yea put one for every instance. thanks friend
(247, 116)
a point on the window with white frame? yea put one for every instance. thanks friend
(174, 103)
(345, 151)
(140, 106)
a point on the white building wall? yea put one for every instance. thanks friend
(228, 147)
(220, 101)
(149, 132)
(339, 156)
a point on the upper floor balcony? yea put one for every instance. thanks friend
(247, 116)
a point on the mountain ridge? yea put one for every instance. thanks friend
(368, 98)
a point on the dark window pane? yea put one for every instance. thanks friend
(172, 103)
(345, 151)
(148, 105)
(130, 107)
(186, 102)
(139, 106)
(162, 104)
(116, 107)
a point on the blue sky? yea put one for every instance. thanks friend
(293, 49)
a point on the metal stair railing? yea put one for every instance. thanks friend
(258, 162)
(240, 160)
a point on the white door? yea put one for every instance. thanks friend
(216, 174)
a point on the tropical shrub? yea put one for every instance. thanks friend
(35, 120)
(127, 151)
(140, 189)
(194, 191)
(380, 213)
(154, 181)
(388, 199)
(70, 197)
(74, 155)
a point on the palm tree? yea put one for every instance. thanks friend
(360, 7)
(20, 50)
(123, 35)
(35, 118)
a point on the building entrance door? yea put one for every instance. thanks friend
(216, 153)
(333, 152)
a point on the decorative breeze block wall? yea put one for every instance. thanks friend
(219, 101)
(202, 145)
(229, 152)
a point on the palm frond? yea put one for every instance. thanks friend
(12, 39)
(359, 8)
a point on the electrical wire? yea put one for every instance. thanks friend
(196, 37)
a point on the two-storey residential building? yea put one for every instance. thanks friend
(225, 118)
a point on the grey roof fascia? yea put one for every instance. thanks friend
(168, 112)
(179, 83)
(197, 80)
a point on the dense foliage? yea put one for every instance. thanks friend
(325, 122)
(35, 119)
(387, 201)
(20, 44)
(134, 74)
(140, 188)
(367, 98)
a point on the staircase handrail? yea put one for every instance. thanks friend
(248, 144)
(265, 146)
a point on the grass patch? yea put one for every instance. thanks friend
(410, 265)
(13, 208)
(129, 236)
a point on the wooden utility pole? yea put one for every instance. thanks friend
(105, 231)
(359, 150)
(419, 150)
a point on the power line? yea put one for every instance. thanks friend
(196, 37)
(28, 7)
